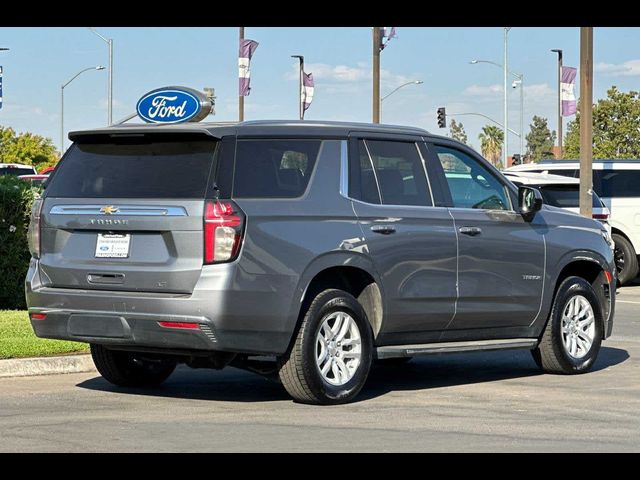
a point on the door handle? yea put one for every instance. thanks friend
(471, 231)
(383, 229)
(106, 278)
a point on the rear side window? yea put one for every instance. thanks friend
(133, 167)
(391, 172)
(275, 168)
(617, 183)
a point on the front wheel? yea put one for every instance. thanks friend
(130, 369)
(571, 340)
(331, 356)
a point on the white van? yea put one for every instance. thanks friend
(16, 169)
(617, 183)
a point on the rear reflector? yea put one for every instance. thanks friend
(184, 325)
(608, 275)
(38, 316)
(600, 216)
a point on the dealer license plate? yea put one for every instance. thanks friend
(112, 245)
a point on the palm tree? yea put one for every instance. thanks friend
(491, 140)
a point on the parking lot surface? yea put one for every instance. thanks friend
(473, 402)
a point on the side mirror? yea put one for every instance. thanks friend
(529, 201)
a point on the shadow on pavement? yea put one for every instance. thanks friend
(437, 371)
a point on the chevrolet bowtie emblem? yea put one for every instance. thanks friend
(109, 210)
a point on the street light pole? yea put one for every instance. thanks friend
(559, 52)
(520, 79)
(506, 105)
(300, 85)
(109, 42)
(586, 121)
(99, 67)
(414, 82)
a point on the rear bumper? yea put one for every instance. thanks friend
(230, 317)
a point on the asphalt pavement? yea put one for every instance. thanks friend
(497, 402)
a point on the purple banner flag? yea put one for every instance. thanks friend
(247, 47)
(307, 90)
(383, 34)
(567, 94)
(0, 87)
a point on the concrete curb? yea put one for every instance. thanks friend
(22, 367)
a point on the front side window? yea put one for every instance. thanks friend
(472, 185)
(617, 183)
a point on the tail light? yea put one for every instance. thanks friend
(600, 216)
(223, 228)
(33, 234)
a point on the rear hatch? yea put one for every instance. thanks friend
(126, 213)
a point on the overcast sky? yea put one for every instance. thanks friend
(41, 59)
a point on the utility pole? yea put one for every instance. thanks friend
(559, 52)
(240, 97)
(505, 153)
(109, 42)
(300, 85)
(586, 121)
(376, 73)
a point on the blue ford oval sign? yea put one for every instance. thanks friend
(173, 105)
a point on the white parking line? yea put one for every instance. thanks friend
(626, 301)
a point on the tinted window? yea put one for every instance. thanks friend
(134, 168)
(362, 180)
(15, 171)
(565, 196)
(562, 172)
(399, 172)
(617, 183)
(274, 168)
(472, 185)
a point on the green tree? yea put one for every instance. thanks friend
(616, 127)
(540, 140)
(26, 148)
(457, 132)
(491, 140)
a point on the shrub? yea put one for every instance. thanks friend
(16, 198)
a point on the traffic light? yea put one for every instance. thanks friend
(442, 118)
(516, 159)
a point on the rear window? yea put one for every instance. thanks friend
(275, 168)
(16, 171)
(565, 197)
(135, 167)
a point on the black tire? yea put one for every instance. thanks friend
(299, 372)
(129, 369)
(551, 354)
(626, 259)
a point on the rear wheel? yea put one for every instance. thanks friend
(330, 359)
(130, 369)
(626, 259)
(571, 340)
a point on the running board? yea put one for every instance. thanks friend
(392, 351)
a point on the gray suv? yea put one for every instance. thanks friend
(306, 250)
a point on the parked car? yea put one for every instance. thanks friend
(617, 183)
(36, 180)
(16, 169)
(47, 170)
(319, 245)
(562, 192)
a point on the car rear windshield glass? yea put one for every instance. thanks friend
(274, 168)
(565, 197)
(135, 168)
(16, 171)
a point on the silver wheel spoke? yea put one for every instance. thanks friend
(346, 325)
(351, 354)
(325, 369)
(586, 322)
